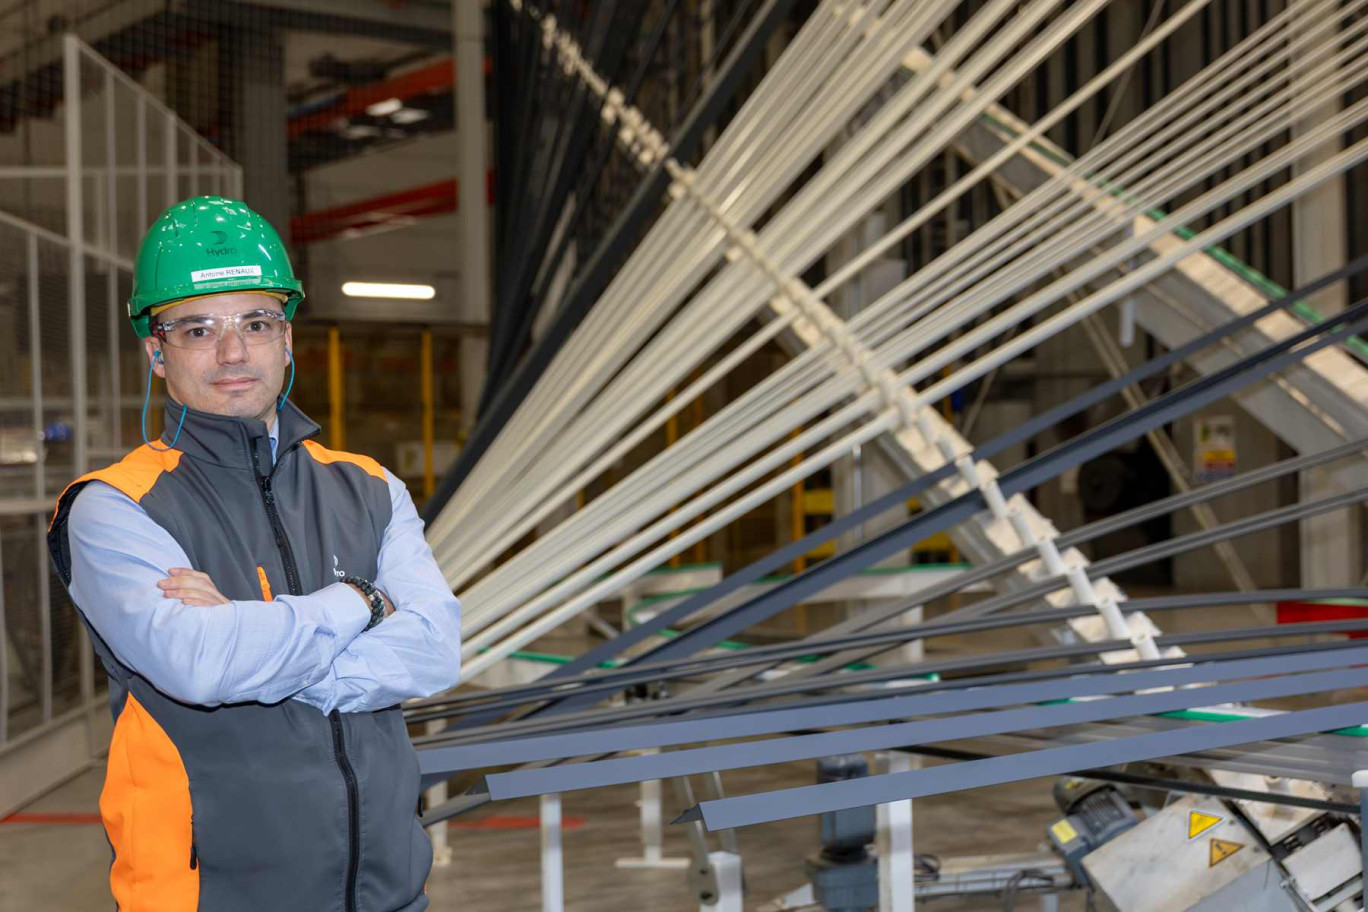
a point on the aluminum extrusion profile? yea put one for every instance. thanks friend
(778, 653)
(596, 720)
(784, 804)
(872, 708)
(624, 770)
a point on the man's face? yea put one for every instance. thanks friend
(231, 378)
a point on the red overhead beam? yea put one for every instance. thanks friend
(433, 79)
(378, 213)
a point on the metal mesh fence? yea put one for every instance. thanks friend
(82, 184)
(40, 676)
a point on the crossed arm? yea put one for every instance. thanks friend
(313, 647)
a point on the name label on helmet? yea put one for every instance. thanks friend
(224, 272)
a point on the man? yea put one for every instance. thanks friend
(261, 603)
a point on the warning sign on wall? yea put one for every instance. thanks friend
(1214, 456)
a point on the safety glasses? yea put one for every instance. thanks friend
(204, 331)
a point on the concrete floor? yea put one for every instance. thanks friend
(63, 866)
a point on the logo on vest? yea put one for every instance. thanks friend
(340, 574)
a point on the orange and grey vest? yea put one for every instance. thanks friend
(253, 807)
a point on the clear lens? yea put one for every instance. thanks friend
(204, 331)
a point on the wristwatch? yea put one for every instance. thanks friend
(373, 598)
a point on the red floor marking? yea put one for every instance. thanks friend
(52, 817)
(513, 823)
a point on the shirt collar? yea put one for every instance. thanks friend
(244, 443)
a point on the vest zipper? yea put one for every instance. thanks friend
(353, 799)
(277, 527)
(335, 717)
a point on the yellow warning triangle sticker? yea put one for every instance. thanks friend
(1222, 849)
(1199, 823)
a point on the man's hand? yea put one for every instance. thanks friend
(192, 587)
(195, 588)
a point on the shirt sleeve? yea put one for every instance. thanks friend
(416, 651)
(243, 651)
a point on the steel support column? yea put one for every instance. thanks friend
(473, 142)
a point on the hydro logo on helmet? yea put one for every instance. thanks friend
(209, 245)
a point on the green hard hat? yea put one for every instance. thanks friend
(208, 245)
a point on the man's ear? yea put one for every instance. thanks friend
(154, 356)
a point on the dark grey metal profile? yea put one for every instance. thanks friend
(978, 671)
(775, 654)
(784, 804)
(1246, 526)
(872, 708)
(619, 771)
(594, 720)
(464, 803)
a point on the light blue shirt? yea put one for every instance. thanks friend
(312, 648)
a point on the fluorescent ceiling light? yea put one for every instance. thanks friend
(360, 131)
(384, 108)
(409, 115)
(388, 290)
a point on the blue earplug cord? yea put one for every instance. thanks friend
(280, 404)
(147, 399)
